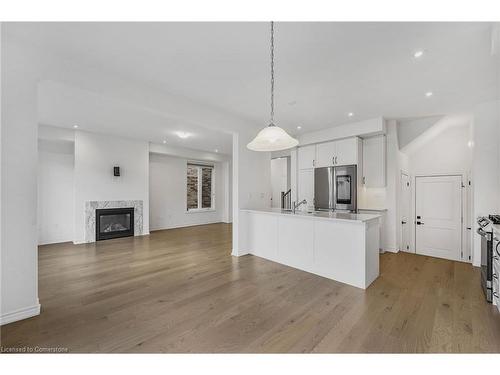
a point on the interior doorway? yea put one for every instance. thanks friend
(405, 212)
(438, 216)
(280, 180)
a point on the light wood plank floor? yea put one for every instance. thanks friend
(181, 291)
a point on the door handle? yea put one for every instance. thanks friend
(420, 223)
(335, 160)
(403, 222)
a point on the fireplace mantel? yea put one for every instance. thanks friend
(91, 206)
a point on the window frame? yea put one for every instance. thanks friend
(199, 166)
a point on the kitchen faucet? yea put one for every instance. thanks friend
(297, 205)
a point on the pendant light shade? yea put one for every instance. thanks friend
(272, 137)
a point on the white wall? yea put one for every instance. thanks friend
(56, 164)
(485, 167)
(446, 153)
(408, 130)
(167, 182)
(19, 158)
(95, 157)
(251, 185)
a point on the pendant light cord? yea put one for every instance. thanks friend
(272, 74)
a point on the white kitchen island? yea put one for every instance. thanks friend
(340, 246)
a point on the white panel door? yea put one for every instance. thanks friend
(438, 216)
(405, 204)
(326, 154)
(306, 156)
(346, 151)
(305, 188)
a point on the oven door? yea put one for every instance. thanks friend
(345, 188)
(486, 262)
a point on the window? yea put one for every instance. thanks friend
(200, 187)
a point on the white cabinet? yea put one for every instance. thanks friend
(346, 152)
(382, 220)
(306, 186)
(306, 156)
(342, 152)
(374, 161)
(325, 153)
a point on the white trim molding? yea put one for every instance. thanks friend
(20, 314)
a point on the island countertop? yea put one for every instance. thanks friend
(326, 215)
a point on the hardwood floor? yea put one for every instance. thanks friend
(181, 291)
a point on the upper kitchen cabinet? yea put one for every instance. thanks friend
(342, 152)
(374, 161)
(348, 151)
(306, 156)
(326, 154)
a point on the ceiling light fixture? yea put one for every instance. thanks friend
(299, 127)
(429, 94)
(418, 54)
(350, 114)
(164, 141)
(216, 150)
(272, 137)
(75, 126)
(183, 135)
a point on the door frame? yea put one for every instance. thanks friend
(463, 197)
(410, 214)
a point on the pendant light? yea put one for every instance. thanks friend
(272, 137)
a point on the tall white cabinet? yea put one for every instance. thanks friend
(374, 161)
(306, 157)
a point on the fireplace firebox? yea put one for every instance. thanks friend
(114, 223)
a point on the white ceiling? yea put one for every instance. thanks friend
(323, 70)
(65, 106)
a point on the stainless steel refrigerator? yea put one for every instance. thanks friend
(335, 188)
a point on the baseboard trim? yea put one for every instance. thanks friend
(185, 225)
(391, 250)
(24, 313)
(236, 253)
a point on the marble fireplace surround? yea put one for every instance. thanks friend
(91, 206)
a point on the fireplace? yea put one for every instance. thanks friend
(114, 223)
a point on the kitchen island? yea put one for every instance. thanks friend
(340, 246)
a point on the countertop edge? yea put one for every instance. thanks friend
(312, 217)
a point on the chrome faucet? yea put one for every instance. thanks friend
(297, 205)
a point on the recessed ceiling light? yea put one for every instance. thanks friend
(299, 127)
(183, 135)
(75, 126)
(216, 150)
(350, 114)
(418, 54)
(164, 141)
(429, 94)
